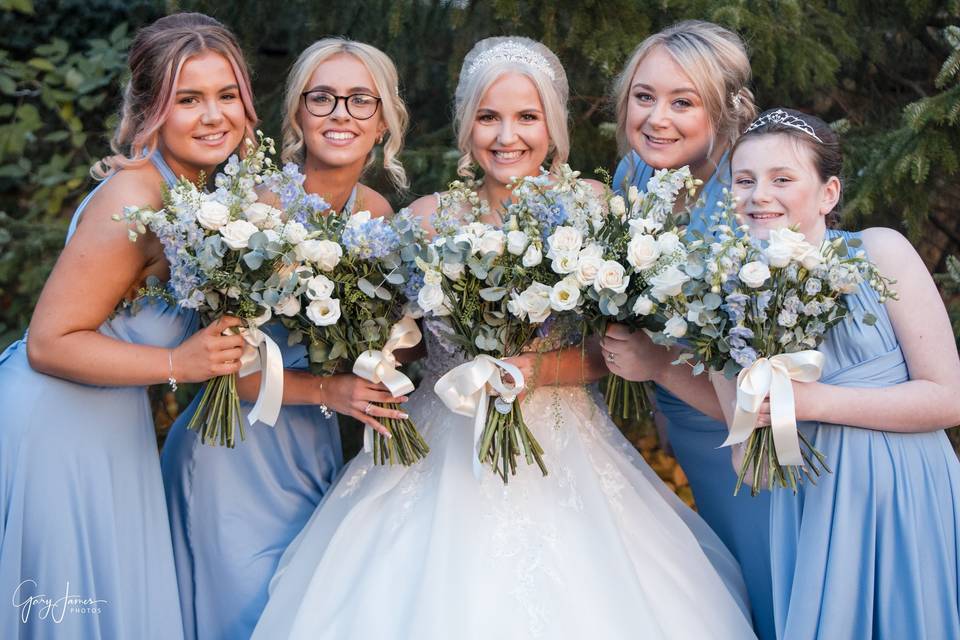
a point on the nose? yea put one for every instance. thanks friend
(660, 116)
(506, 135)
(340, 111)
(760, 193)
(212, 113)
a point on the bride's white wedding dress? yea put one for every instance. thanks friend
(600, 548)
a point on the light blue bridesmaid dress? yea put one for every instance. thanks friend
(740, 521)
(85, 547)
(234, 511)
(873, 549)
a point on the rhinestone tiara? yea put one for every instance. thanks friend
(511, 52)
(782, 117)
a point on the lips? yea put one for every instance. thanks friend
(212, 138)
(507, 156)
(764, 215)
(658, 141)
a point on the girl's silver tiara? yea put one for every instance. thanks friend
(782, 117)
(511, 52)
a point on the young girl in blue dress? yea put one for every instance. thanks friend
(873, 549)
(84, 538)
(682, 99)
(234, 511)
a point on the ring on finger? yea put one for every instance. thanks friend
(366, 409)
(610, 357)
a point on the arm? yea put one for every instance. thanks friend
(97, 267)
(575, 365)
(929, 401)
(635, 357)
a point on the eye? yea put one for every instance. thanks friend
(529, 117)
(682, 103)
(320, 98)
(188, 100)
(782, 179)
(486, 117)
(362, 100)
(743, 182)
(642, 97)
(228, 96)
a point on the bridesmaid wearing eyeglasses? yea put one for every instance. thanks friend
(234, 511)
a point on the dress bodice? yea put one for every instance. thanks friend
(859, 354)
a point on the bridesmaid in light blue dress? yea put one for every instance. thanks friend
(234, 511)
(665, 123)
(85, 548)
(873, 549)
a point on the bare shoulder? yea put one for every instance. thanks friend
(372, 201)
(598, 187)
(268, 197)
(140, 186)
(423, 208)
(890, 250)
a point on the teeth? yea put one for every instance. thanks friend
(764, 216)
(339, 135)
(659, 140)
(508, 155)
(213, 136)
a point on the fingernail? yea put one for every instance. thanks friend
(403, 416)
(388, 435)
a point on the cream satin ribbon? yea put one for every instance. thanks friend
(381, 365)
(261, 353)
(464, 390)
(773, 377)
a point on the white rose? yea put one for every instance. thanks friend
(618, 207)
(294, 232)
(325, 253)
(517, 242)
(643, 251)
(237, 234)
(611, 275)
(668, 242)
(452, 270)
(533, 256)
(565, 295)
(470, 239)
(515, 306)
(213, 215)
(259, 213)
(430, 298)
(754, 274)
(809, 257)
(564, 241)
(493, 241)
(319, 287)
(587, 268)
(536, 301)
(778, 254)
(289, 306)
(668, 283)
(432, 277)
(675, 327)
(633, 194)
(643, 306)
(323, 313)
(593, 250)
(787, 236)
(565, 263)
(358, 218)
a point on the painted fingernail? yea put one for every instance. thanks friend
(388, 435)
(403, 416)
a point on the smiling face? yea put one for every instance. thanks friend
(777, 185)
(667, 123)
(340, 140)
(509, 136)
(207, 121)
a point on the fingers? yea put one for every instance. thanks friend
(383, 397)
(224, 323)
(229, 355)
(379, 411)
(373, 423)
(618, 332)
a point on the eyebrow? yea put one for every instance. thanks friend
(351, 90)
(640, 85)
(529, 110)
(229, 87)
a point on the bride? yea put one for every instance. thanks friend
(599, 548)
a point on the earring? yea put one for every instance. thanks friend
(380, 139)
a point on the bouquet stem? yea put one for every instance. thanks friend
(760, 461)
(406, 446)
(504, 437)
(626, 399)
(217, 417)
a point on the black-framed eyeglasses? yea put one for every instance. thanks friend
(322, 103)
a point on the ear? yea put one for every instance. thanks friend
(830, 195)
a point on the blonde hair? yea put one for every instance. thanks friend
(716, 61)
(386, 82)
(157, 56)
(475, 79)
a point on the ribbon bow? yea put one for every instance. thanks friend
(380, 365)
(773, 377)
(261, 352)
(464, 390)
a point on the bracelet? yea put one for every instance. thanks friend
(172, 381)
(324, 410)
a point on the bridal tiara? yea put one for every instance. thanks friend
(511, 52)
(782, 117)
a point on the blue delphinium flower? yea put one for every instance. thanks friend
(372, 239)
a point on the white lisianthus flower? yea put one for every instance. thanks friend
(809, 257)
(234, 293)
(289, 306)
(787, 236)
(644, 225)
(515, 306)
(643, 306)
(470, 239)
(618, 207)
(676, 327)
(778, 254)
(432, 277)
(324, 313)
(532, 257)
(754, 274)
(259, 213)
(643, 251)
(237, 234)
(536, 301)
(668, 283)
(565, 295)
(213, 215)
(611, 275)
(668, 242)
(325, 254)
(452, 270)
(319, 287)
(493, 241)
(294, 232)
(564, 241)
(430, 297)
(633, 194)
(517, 242)
(564, 263)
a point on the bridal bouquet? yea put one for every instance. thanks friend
(494, 287)
(230, 253)
(757, 311)
(351, 273)
(642, 236)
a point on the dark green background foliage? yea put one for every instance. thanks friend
(885, 73)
